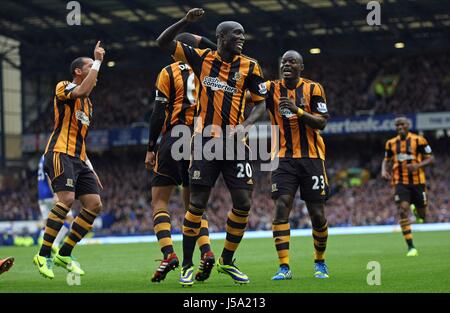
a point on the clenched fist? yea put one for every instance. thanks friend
(194, 15)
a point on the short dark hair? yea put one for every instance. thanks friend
(77, 63)
(187, 39)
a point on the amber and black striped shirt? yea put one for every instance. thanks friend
(296, 139)
(222, 86)
(72, 119)
(175, 87)
(411, 150)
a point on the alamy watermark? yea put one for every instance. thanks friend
(74, 16)
(235, 143)
(374, 276)
(73, 279)
(374, 16)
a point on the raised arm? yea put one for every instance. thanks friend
(204, 42)
(166, 39)
(85, 88)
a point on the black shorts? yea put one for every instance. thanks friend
(237, 174)
(68, 173)
(415, 194)
(308, 174)
(167, 171)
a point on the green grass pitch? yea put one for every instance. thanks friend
(128, 268)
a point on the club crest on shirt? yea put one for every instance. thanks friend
(237, 76)
(196, 175)
(274, 187)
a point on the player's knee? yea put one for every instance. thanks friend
(404, 205)
(199, 196)
(95, 207)
(316, 213)
(403, 213)
(197, 201)
(282, 209)
(241, 200)
(283, 202)
(161, 196)
(67, 199)
(159, 204)
(196, 205)
(281, 213)
(318, 220)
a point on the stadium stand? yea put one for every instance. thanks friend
(423, 85)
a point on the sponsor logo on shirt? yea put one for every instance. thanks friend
(81, 116)
(216, 84)
(404, 157)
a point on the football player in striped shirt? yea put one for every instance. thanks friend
(298, 107)
(224, 76)
(408, 154)
(66, 165)
(175, 104)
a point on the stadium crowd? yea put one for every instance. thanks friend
(127, 210)
(421, 83)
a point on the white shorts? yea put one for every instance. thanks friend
(46, 205)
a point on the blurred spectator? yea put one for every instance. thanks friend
(379, 86)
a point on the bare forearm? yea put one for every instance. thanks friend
(204, 42)
(166, 39)
(314, 121)
(256, 114)
(88, 84)
(428, 161)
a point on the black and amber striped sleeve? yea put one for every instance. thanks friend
(64, 90)
(163, 86)
(256, 84)
(190, 55)
(424, 147)
(318, 101)
(269, 104)
(388, 151)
